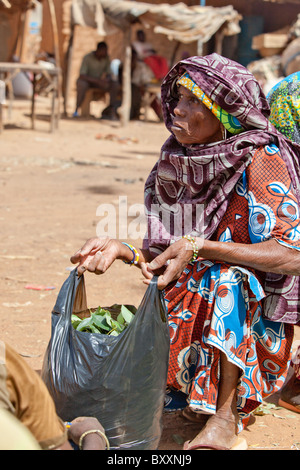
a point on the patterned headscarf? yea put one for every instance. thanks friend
(284, 100)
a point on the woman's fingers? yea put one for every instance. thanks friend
(97, 263)
(174, 260)
(76, 257)
(90, 247)
(84, 264)
(172, 272)
(90, 256)
(145, 271)
(159, 262)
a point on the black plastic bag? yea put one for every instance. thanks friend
(120, 380)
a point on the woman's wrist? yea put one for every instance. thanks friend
(93, 439)
(93, 442)
(128, 253)
(132, 255)
(193, 245)
(135, 255)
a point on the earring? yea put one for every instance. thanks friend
(223, 130)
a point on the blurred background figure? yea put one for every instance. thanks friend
(95, 72)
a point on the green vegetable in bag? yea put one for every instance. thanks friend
(111, 321)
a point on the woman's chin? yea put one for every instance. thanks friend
(180, 135)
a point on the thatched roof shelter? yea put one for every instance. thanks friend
(178, 22)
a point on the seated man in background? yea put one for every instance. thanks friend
(95, 73)
(145, 51)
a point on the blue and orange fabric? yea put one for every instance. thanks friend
(215, 307)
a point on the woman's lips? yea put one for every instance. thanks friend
(176, 127)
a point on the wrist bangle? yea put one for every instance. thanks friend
(94, 431)
(135, 253)
(194, 246)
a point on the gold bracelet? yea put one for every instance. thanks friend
(94, 431)
(194, 246)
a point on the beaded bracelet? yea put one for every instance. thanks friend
(136, 255)
(94, 431)
(194, 246)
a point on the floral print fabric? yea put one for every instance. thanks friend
(284, 100)
(215, 307)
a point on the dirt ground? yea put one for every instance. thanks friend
(51, 186)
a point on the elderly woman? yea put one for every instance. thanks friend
(284, 101)
(222, 204)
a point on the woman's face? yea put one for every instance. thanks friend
(193, 122)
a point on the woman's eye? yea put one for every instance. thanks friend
(195, 100)
(187, 100)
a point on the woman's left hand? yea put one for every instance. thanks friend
(174, 259)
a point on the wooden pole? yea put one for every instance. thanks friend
(126, 80)
(18, 48)
(55, 32)
(33, 102)
(68, 72)
(57, 83)
(219, 41)
(177, 44)
(199, 47)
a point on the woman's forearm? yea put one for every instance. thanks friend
(268, 256)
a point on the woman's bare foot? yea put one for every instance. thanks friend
(218, 432)
(221, 429)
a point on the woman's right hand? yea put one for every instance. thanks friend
(97, 255)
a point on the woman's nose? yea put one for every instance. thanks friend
(179, 110)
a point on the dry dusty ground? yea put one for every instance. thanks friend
(51, 186)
